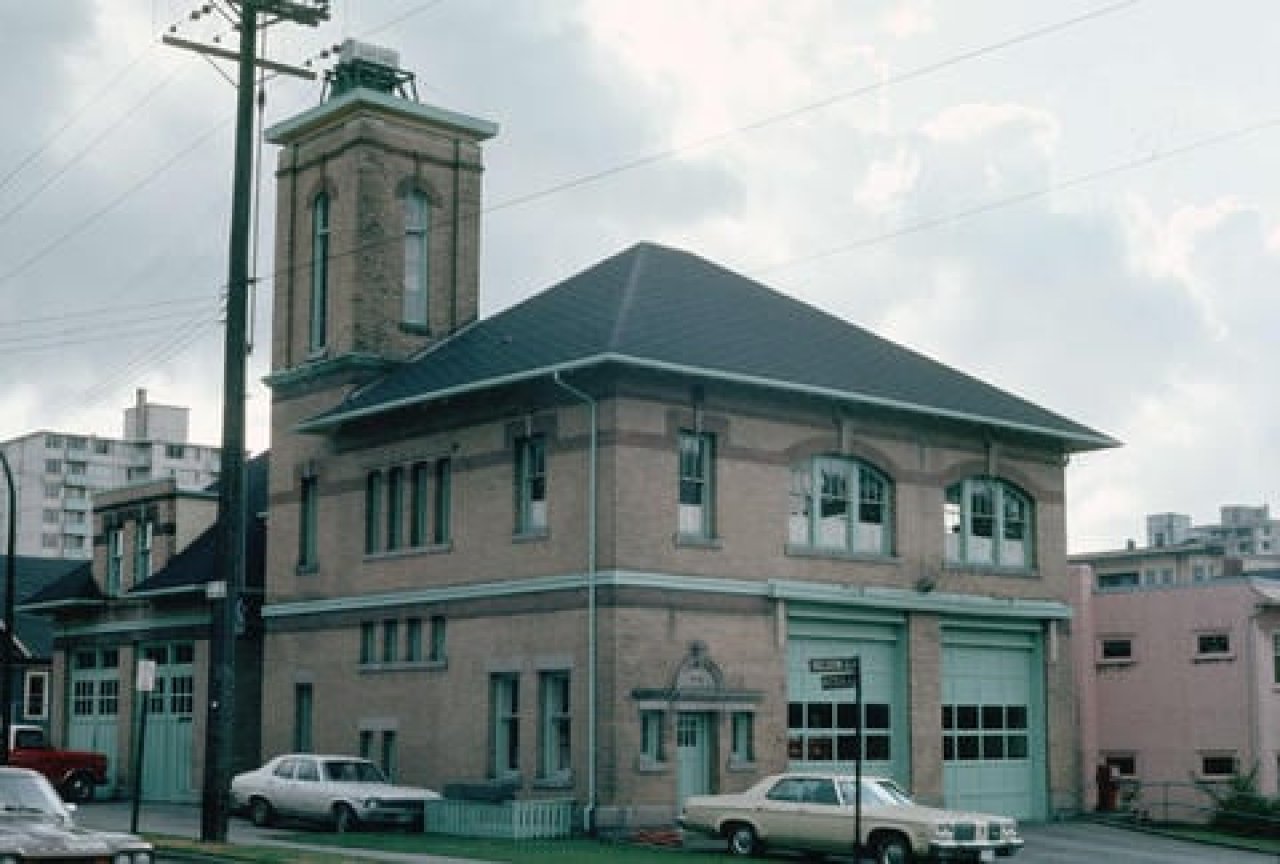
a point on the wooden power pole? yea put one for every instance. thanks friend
(225, 595)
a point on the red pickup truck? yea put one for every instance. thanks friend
(74, 773)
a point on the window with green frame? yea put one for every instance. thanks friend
(372, 512)
(652, 745)
(989, 521)
(317, 337)
(368, 643)
(531, 485)
(395, 507)
(697, 484)
(841, 504)
(554, 725)
(504, 718)
(303, 717)
(417, 215)
(742, 741)
(115, 561)
(308, 515)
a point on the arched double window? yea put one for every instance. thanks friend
(841, 504)
(989, 521)
(417, 226)
(318, 312)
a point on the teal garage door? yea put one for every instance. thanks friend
(94, 719)
(993, 724)
(823, 724)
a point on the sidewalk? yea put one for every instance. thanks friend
(183, 820)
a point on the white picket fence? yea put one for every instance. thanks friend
(511, 820)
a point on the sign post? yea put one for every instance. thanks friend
(845, 673)
(145, 684)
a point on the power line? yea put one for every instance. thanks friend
(93, 217)
(984, 207)
(98, 312)
(791, 113)
(72, 117)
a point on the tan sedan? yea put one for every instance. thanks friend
(816, 812)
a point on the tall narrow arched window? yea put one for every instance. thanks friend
(841, 504)
(988, 521)
(417, 217)
(318, 318)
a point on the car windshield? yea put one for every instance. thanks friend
(26, 793)
(875, 793)
(353, 771)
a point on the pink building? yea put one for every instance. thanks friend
(1178, 665)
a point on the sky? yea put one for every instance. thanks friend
(1076, 201)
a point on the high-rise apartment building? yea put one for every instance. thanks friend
(1242, 531)
(56, 474)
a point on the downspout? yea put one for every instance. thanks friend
(588, 814)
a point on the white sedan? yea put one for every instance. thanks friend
(816, 813)
(345, 792)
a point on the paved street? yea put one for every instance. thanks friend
(1056, 843)
(1083, 843)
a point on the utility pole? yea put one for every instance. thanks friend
(229, 563)
(11, 577)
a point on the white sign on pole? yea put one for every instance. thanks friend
(146, 676)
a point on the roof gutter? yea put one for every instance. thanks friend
(326, 422)
(588, 815)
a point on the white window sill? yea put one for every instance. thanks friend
(798, 550)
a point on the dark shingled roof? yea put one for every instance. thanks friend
(193, 566)
(660, 308)
(48, 581)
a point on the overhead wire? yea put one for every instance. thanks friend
(655, 157)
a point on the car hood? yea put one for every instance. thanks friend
(381, 790)
(36, 834)
(921, 813)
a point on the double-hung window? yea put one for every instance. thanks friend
(417, 213)
(318, 324)
(419, 483)
(841, 504)
(115, 561)
(988, 521)
(531, 485)
(372, 512)
(142, 552)
(308, 515)
(504, 707)
(437, 650)
(554, 725)
(652, 745)
(395, 516)
(697, 484)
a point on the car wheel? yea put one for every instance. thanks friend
(260, 813)
(742, 839)
(893, 849)
(344, 819)
(78, 788)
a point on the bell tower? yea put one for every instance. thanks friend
(377, 226)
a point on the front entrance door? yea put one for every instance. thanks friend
(693, 754)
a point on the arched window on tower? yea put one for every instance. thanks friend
(417, 217)
(318, 318)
